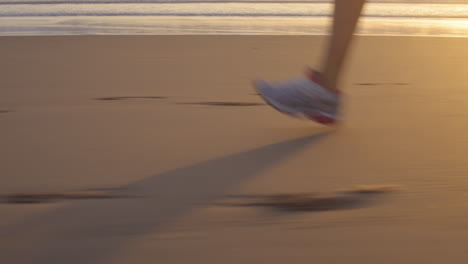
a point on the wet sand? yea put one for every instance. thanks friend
(136, 149)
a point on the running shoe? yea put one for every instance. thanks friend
(302, 97)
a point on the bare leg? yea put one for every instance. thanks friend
(304, 98)
(345, 18)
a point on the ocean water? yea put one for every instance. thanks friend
(122, 17)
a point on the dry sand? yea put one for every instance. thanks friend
(154, 149)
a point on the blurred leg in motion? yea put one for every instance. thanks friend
(345, 18)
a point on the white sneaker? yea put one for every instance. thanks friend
(301, 97)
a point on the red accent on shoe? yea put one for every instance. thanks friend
(323, 119)
(316, 77)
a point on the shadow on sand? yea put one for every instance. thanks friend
(90, 231)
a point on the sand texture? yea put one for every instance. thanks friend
(156, 149)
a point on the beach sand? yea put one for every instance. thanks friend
(156, 149)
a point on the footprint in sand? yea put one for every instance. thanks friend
(210, 103)
(223, 103)
(129, 97)
(28, 198)
(378, 84)
(355, 198)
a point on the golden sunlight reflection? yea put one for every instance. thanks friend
(147, 131)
